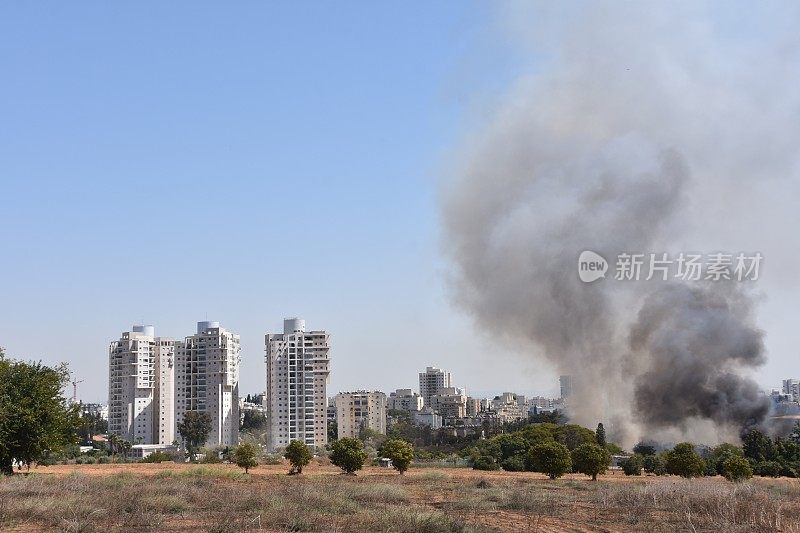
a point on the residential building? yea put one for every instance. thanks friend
(510, 407)
(298, 367)
(360, 410)
(427, 417)
(431, 381)
(450, 402)
(791, 387)
(207, 379)
(473, 406)
(405, 400)
(140, 366)
(565, 383)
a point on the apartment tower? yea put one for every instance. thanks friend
(140, 387)
(207, 379)
(431, 381)
(298, 366)
(357, 411)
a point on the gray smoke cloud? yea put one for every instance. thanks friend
(634, 122)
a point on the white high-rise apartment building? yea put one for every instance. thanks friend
(298, 366)
(360, 410)
(207, 379)
(431, 381)
(792, 387)
(140, 387)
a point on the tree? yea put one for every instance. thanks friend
(768, 468)
(551, 458)
(333, 431)
(722, 453)
(194, 430)
(348, 454)
(655, 464)
(757, 447)
(515, 463)
(632, 466)
(485, 462)
(400, 452)
(600, 435)
(246, 456)
(736, 468)
(590, 459)
(684, 461)
(299, 455)
(34, 418)
(644, 449)
(253, 421)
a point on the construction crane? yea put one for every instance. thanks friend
(75, 390)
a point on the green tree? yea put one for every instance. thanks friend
(484, 462)
(655, 464)
(722, 453)
(736, 468)
(632, 466)
(246, 456)
(768, 468)
(757, 447)
(600, 435)
(551, 458)
(644, 449)
(590, 459)
(515, 463)
(333, 431)
(194, 430)
(684, 461)
(299, 455)
(35, 419)
(253, 421)
(400, 452)
(348, 454)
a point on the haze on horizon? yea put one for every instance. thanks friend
(164, 164)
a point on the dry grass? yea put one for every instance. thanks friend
(222, 499)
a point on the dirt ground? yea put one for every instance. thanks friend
(220, 498)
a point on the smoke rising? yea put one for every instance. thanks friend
(635, 127)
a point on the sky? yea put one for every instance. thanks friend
(165, 163)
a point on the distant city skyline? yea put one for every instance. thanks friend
(273, 160)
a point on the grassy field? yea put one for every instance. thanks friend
(178, 497)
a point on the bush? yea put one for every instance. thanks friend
(768, 468)
(210, 458)
(299, 455)
(246, 456)
(400, 452)
(736, 468)
(348, 454)
(632, 466)
(654, 464)
(105, 459)
(550, 458)
(590, 459)
(515, 463)
(485, 462)
(157, 457)
(685, 462)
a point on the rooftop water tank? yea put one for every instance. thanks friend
(293, 325)
(206, 324)
(150, 331)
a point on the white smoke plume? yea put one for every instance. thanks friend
(636, 124)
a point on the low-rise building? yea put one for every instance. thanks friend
(405, 400)
(427, 417)
(450, 402)
(360, 410)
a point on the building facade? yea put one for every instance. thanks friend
(360, 410)
(298, 367)
(207, 379)
(405, 400)
(140, 387)
(450, 402)
(431, 381)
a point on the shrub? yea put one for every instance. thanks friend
(590, 459)
(684, 461)
(210, 458)
(103, 460)
(348, 454)
(157, 457)
(246, 456)
(485, 462)
(654, 464)
(400, 452)
(632, 466)
(768, 468)
(736, 468)
(515, 463)
(299, 455)
(551, 458)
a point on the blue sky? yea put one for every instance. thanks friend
(164, 162)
